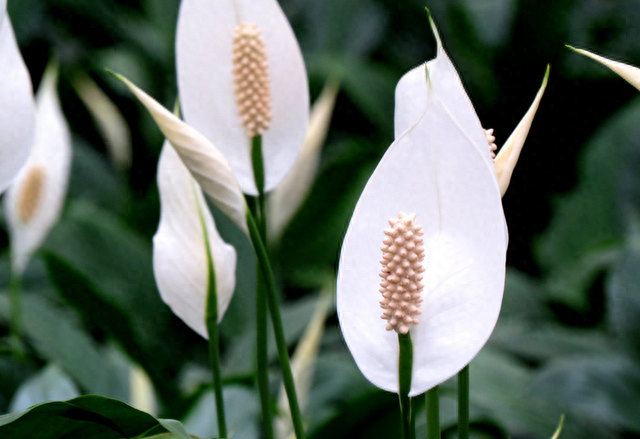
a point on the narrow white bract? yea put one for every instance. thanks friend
(35, 199)
(251, 79)
(17, 109)
(628, 72)
(401, 284)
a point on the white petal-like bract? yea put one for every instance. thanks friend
(207, 91)
(287, 198)
(180, 259)
(36, 197)
(440, 169)
(205, 162)
(17, 109)
(629, 73)
(506, 160)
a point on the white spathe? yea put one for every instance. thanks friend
(180, 260)
(506, 160)
(439, 168)
(50, 163)
(17, 117)
(287, 198)
(205, 81)
(629, 73)
(205, 162)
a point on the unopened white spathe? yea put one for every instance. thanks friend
(17, 109)
(35, 199)
(439, 168)
(205, 162)
(180, 261)
(204, 48)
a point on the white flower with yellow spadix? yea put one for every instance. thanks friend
(629, 73)
(240, 75)
(411, 97)
(17, 110)
(36, 197)
(425, 250)
(186, 246)
(205, 162)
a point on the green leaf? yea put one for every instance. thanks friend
(105, 271)
(175, 427)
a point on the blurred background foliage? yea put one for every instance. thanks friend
(568, 339)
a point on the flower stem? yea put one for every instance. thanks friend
(405, 366)
(262, 361)
(433, 413)
(278, 329)
(214, 336)
(463, 403)
(15, 293)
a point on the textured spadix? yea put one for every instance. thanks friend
(205, 162)
(35, 199)
(507, 158)
(207, 83)
(17, 109)
(439, 168)
(180, 260)
(629, 73)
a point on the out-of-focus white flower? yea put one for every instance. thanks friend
(443, 263)
(629, 73)
(303, 365)
(35, 199)
(109, 120)
(241, 73)
(287, 198)
(17, 109)
(205, 162)
(507, 158)
(186, 244)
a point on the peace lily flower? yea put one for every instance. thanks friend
(443, 258)
(186, 244)
(36, 197)
(240, 75)
(629, 73)
(16, 103)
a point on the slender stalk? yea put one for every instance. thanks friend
(405, 366)
(214, 337)
(278, 328)
(412, 423)
(262, 361)
(15, 299)
(433, 413)
(463, 403)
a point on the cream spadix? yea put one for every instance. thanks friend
(205, 162)
(180, 257)
(35, 199)
(17, 109)
(440, 169)
(241, 73)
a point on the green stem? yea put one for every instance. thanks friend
(278, 328)
(433, 413)
(463, 403)
(412, 424)
(214, 337)
(262, 361)
(405, 366)
(15, 299)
